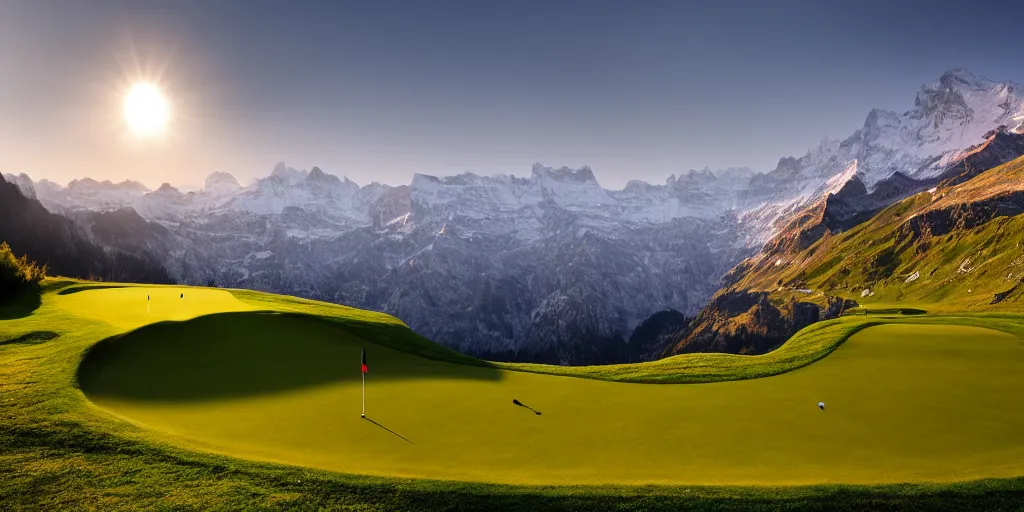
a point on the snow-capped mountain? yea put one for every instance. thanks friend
(89, 194)
(950, 119)
(315, 190)
(24, 184)
(699, 194)
(550, 266)
(221, 184)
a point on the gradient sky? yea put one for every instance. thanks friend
(380, 90)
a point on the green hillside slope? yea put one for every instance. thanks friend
(193, 399)
(954, 248)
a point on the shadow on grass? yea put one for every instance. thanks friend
(84, 288)
(520, 404)
(896, 311)
(246, 354)
(31, 338)
(389, 430)
(21, 306)
(884, 311)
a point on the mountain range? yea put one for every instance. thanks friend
(64, 247)
(552, 267)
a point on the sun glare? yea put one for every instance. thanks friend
(146, 110)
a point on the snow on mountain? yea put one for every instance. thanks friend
(701, 194)
(24, 184)
(287, 174)
(949, 119)
(50, 194)
(166, 203)
(521, 206)
(503, 266)
(527, 267)
(570, 188)
(221, 183)
(314, 191)
(89, 194)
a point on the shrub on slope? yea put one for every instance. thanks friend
(17, 275)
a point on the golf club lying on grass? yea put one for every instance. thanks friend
(520, 404)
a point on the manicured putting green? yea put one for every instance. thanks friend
(128, 307)
(903, 403)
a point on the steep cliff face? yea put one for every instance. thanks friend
(853, 203)
(570, 296)
(650, 338)
(744, 322)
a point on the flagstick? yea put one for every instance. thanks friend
(363, 415)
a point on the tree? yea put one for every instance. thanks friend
(17, 274)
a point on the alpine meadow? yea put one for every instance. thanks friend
(416, 313)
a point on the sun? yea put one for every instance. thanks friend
(146, 110)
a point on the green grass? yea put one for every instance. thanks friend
(963, 270)
(182, 411)
(808, 346)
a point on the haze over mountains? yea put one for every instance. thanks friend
(550, 267)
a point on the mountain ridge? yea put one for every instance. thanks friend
(57, 242)
(479, 263)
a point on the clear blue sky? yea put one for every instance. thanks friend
(380, 90)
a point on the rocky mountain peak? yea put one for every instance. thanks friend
(878, 119)
(941, 103)
(166, 189)
(704, 174)
(735, 172)
(788, 163)
(565, 174)
(221, 180)
(318, 176)
(959, 77)
(84, 183)
(959, 95)
(23, 182)
(287, 174)
(132, 186)
(691, 178)
(853, 188)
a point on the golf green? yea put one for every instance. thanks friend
(134, 306)
(904, 402)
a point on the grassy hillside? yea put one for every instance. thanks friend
(954, 248)
(116, 405)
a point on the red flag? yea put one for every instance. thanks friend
(365, 368)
